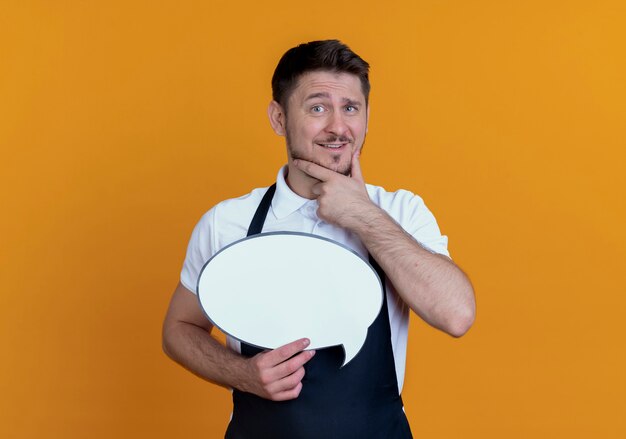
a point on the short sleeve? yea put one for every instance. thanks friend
(199, 250)
(417, 220)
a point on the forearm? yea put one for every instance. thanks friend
(430, 284)
(195, 349)
(274, 374)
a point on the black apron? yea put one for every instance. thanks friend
(359, 400)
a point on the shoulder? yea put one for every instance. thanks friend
(399, 204)
(234, 208)
(230, 218)
(221, 225)
(411, 213)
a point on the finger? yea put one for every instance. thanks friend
(289, 394)
(316, 189)
(356, 166)
(288, 382)
(289, 367)
(314, 170)
(282, 353)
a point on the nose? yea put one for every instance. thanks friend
(336, 124)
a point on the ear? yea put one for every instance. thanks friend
(367, 121)
(277, 118)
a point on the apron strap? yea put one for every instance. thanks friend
(380, 272)
(256, 225)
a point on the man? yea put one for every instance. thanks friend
(320, 104)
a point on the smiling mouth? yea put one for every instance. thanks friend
(332, 145)
(336, 143)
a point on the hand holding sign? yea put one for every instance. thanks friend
(277, 374)
(271, 289)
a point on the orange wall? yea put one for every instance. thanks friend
(122, 122)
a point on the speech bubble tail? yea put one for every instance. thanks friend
(353, 347)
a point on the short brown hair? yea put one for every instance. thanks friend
(325, 55)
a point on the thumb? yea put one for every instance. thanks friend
(356, 167)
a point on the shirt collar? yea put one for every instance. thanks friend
(286, 201)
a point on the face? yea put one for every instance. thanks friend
(326, 120)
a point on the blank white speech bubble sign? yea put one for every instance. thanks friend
(270, 289)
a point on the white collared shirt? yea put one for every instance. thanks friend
(229, 220)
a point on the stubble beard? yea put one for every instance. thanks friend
(346, 170)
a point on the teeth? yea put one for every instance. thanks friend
(330, 145)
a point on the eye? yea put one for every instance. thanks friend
(317, 109)
(351, 109)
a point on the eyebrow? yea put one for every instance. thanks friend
(327, 96)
